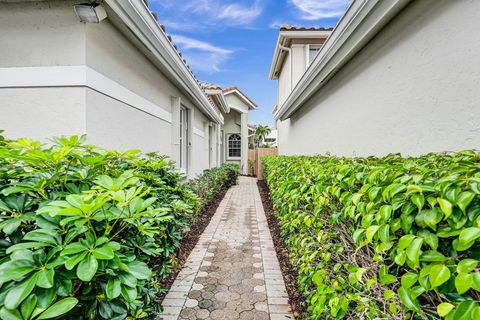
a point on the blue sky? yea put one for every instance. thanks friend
(231, 42)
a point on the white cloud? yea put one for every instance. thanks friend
(241, 15)
(275, 24)
(209, 13)
(318, 9)
(202, 55)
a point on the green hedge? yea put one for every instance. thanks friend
(392, 237)
(213, 182)
(87, 233)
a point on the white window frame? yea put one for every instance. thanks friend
(228, 146)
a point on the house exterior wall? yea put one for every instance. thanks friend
(104, 85)
(200, 144)
(27, 40)
(111, 54)
(299, 64)
(237, 123)
(42, 112)
(43, 33)
(113, 124)
(232, 125)
(285, 81)
(413, 89)
(114, 56)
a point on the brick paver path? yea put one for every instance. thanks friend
(233, 272)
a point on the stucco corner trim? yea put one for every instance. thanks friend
(106, 86)
(198, 132)
(78, 76)
(363, 20)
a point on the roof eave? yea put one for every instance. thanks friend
(275, 60)
(251, 105)
(286, 34)
(137, 17)
(220, 97)
(361, 22)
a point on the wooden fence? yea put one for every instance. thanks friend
(255, 167)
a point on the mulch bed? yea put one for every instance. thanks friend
(290, 276)
(190, 241)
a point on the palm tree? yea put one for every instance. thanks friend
(260, 133)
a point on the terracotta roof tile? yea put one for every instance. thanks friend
(210, 86)
(154, 15)
(287, 27)
(164, 29)
(230, 88)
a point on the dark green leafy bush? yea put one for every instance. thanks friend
(390, 238)
(214, 181)
(86, 233)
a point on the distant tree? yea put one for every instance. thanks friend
(260, 133)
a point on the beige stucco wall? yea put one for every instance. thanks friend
(414, 89)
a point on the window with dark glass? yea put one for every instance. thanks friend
(234, 146)
(312, 53)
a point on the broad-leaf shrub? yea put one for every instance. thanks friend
(86, 233)
(388, 237)
(214, 181)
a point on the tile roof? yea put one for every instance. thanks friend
(287, 27)
(210, 86)
(203, 85)
(164, 29)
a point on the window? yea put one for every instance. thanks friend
(312, 53)
(270, 139)
(234, 146)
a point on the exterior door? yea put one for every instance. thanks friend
(210, 146)
(184, 143)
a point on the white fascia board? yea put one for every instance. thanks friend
(137, 17)
(222, 102)
(305, 34)
(238, 109)
(275, 59)
(362, 21)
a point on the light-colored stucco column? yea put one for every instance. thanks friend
(244, 132)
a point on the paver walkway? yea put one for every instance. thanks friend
(233, 272)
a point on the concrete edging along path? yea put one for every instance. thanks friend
(233, 271)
